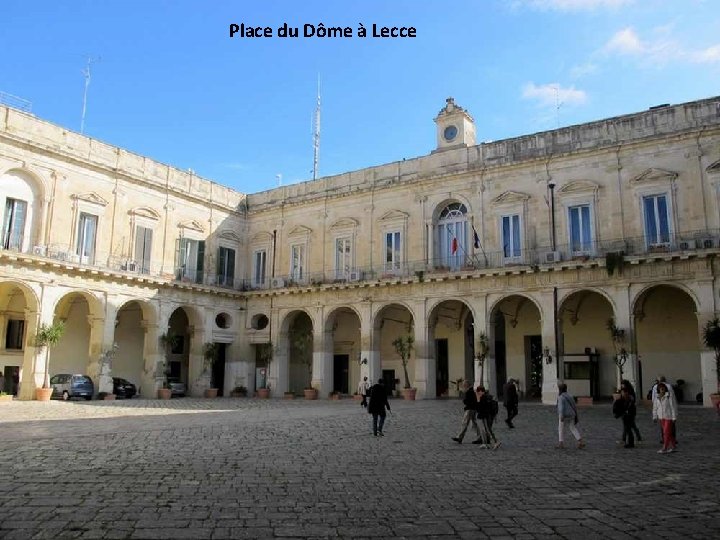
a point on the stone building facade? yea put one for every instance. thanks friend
(501, 259)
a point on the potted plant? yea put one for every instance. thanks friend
(302, 347)
(711, 339)
(210, 351)
(47, 336)
(239, 391)
(618, 338)
(403, 347)
(266, 356)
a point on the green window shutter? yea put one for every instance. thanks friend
(200, 262)
(230, 266)
(180, 248)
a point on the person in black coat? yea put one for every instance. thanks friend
(510, 401)
(376, 407)
(624, 408)
(627, 385)
(470, 403)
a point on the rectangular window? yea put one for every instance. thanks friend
(297, 262)
(511, 236)
(87, 231)
(452, 236)
(15, 334)
(657, 222)
(580, 230)
(190, 260)
(226, 267)
(392, 251)
(14, 224)
(343, 258)
(259, 264)
(143, 249)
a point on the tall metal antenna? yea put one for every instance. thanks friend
(86, 73)
(316, 134)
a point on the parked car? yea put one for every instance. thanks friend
(123, 388)
(66, 386)
(177, 387)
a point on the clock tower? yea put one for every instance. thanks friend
(455, 127)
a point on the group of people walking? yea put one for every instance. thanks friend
(480, 410)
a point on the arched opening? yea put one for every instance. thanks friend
(343, 324)
(518, 344)
(588, 366)
(451, 236)
(393, 322)
(668, 342)
(21, 200)
(451, 340)
(72, 354)
(128, 361)
(177, 352)
(16, 351)
(300, 350)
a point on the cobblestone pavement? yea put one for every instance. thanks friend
(245, 468)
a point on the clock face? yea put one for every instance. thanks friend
(450, 133)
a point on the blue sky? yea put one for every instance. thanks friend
(171, 84)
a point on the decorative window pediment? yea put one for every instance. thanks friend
(92, 198)
(510, 197)
(300, 230)
(344, 224)
(261, 238)
(714, 168)
(145, 212)
(229, 235)
(654, 176)
(191, 225)
(579, 187)
(395, 215)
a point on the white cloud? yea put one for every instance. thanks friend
(628, 43)
(553, 94)
(572, 5)
(582, 70)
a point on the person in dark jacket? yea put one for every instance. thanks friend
(624, 408)
(510, 401)
(470, 403)
(377, 405)
(486, 416)
(627, 385)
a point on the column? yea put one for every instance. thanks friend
(625, 320)
(425, 363)
(708, 365)
(547, 331)
(322, 367)
(102, 333)
(32, 371)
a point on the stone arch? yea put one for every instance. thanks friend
(82, 313)
(450, 325)
(297, 338)
(515, 335)
(32, 301)
(442, 204)
(132, 319)
(343, 345)
(390, 321)
(667, 341)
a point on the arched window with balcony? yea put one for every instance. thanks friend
(451, 234)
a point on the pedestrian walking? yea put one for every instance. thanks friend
(510, 401)
(469, 411)
(627, 385)
(671, 394)
(624, 408)
(567, 417)
(665, 411)
(364, 390)
(487, 409)
(377, 405)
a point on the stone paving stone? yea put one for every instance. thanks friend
(225, 468)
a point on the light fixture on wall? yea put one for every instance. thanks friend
(547, 355)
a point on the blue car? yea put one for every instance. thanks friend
(66, 386)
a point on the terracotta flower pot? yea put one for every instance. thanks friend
(311, 393)
(211, 392)
(263, 393)
(164, 393)
(43, 394)
(409, 393)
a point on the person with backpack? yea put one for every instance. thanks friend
(487, 409)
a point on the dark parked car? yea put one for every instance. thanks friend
(123, 388)
(66, 386)
(177, 387)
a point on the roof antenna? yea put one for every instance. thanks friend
(558, 104)
(86, 73)
(316, 134)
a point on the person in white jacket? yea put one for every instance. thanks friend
(665, 411)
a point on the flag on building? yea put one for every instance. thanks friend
(476, 238)
(454, 245)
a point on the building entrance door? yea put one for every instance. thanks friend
(341, 373)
